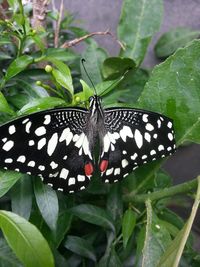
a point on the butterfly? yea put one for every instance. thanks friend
(58, 144)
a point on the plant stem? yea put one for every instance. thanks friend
(188, 226)
(167, 192)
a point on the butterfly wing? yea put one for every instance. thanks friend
(132, 138)
(51, 144)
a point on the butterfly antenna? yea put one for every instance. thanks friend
(83, 64)
(117, 81)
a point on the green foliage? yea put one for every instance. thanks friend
(106, 225)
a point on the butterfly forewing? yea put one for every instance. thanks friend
(133, 138)
(50, 144)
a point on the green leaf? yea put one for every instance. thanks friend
(139, 21)
(7, 257)
(62, 74)
(170, 41)
(61, 54)
(41, 104)
(4, 56)
(21, 197)
(38, 41)
(25, 240)
(94, 215)
(4, 106)
(94, 57)
(173, 90)
(172, 255)
(80, 246)
(47, 202)
(18, 65)
(156, 240)
(128, 225)
(115, 204)
(7, 180)
(115, 67)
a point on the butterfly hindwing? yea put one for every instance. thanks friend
(133, 137)
(51, 144)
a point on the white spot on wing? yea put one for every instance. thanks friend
(147, 137)
(109, 171)
(169, 124)
(40, 131)
(41, 167)
(52, 144)
(134, 156)
(149, 127)
(81, 178)
(170, 136)
(138, 138)
(152, 152)
(21, 159)
(124, 132)
(28, 126)
(71, 181)
(47, 119)
(8, 160)
(64, 173)
(106, 141)
(79, 142)
(31, 143)
(66, 135)
(8, 145)
(41, 143)
(124, 163)
(31, 163)
(145, 118)
(160, 147)
(12, 129)
(53, 165)
(117, 171)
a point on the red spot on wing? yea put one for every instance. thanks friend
(103, 165)
(88, 169)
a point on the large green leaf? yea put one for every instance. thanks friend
(25, 240)
(173, 90)
(80, 246)
(7, 180)
(47, 202)
(61, 54)
(156, 240)
(170, 41)
(18, 65)
(21, 197)
(94, 215)
(139, 21)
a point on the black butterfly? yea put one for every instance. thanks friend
(58, 144)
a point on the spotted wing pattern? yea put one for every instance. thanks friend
(134, 137)
(50, 144)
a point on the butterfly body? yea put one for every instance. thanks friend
(58, 145)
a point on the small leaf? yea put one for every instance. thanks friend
(115, 67)
(7, 180)
(18, 65)
(25, 240)
(85, 93)
(139, 21)
(62, 74)
(7, 257)
(41, 104)
(21, 197)
(94, 215)
(170, 41)
(128, 225)
(47, 202)
(80, 246)
(4, 106)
